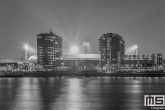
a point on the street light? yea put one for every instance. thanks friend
(136, 52)
(26, 48)
(85, 45)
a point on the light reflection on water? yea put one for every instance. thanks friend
(121, 93)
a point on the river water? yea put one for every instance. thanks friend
(108, 93)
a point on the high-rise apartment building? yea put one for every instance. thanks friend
(157, 60)
(112, 51)
(49, 49)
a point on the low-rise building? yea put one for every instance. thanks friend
(142, 62)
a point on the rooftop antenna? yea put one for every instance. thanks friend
(50, 31)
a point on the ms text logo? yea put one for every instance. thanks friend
(154, 100)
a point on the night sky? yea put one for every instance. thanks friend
(140, 22)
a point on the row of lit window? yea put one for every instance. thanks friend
(49, 39)
(114, 64)
(50, 47)
(114, 59)
(47, 60)
(110, 59)
(47, 52)
(138, 55)
(103, 38)
(133, 55)
(41, 55)
(44, 63)
(137, 58)
(41, 63)
(57, 46)
(56, 43)
(103, 49)
(50, 63)
(39, 36)
(50, 52)
(49, 57)
(133, 64)
(103, 59)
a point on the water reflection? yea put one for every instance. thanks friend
(27, 95)
(100, 93)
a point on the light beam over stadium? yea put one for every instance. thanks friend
(132, 50)
(26, 47)
(74, 50)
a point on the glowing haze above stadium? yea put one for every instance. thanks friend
(140, 22)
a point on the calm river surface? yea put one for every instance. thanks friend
(78, 93)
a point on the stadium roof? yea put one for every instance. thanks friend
(33, 57)
(82, 56)
(73, 56)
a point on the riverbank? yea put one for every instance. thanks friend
(86, 74)
(90, 74)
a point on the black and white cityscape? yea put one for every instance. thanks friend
(111, 57)
(82, 55)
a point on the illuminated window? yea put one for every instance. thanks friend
(103, 60)
(39, 36)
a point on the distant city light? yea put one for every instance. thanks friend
(74, 50)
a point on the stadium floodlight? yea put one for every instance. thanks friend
(26, 47)
(85, 45)
(74, 50)
(136, 47)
